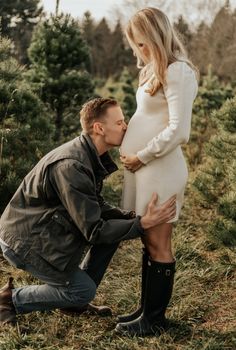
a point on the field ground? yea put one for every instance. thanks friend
(203, 306)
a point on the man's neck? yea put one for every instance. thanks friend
(99, 144)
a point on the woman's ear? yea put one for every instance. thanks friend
(98, 128)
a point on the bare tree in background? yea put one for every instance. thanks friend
(194, 12)
(129, 7)
(57, 6)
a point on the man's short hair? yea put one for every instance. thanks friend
(94, 110)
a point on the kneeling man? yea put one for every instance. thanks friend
(58, 211)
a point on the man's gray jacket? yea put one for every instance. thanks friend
(58, 210)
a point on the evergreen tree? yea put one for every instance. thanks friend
(182, 28)
(227, 67)
(221, 36)
(24, 126)
(211, 95)
(101, 49)
(118, 52)
(129, 100)
(57, 6)
(123, 90)
(199, 48)
(88, 32)
(88, 27)
(109, 51)
(17, 19)
(216, 179)
(59, 61)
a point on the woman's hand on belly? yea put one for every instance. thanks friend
(131, 162)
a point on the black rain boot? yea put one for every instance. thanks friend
(137, 313)
(159, 286)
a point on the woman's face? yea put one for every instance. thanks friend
(142, 46)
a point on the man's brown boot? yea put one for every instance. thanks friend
(90, 308)
(7, 309)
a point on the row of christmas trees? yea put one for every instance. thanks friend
(39, 108)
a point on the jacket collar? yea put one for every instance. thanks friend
(102, 165)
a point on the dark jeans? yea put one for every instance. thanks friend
(97, 260)
(79, 290)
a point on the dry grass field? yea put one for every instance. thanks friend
(203, 306)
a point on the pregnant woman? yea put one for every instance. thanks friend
(152, 156)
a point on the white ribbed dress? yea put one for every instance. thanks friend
(159, 126)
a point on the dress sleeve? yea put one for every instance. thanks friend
(180, 91)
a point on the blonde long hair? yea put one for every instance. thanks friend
(163, 43)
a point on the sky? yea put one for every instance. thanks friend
(98, 8)
(194, 11)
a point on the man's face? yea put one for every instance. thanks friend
(114, 126)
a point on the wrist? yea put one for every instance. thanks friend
(138, 160)
(145, 156)
(144, 223)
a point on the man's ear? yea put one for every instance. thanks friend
(98, 128)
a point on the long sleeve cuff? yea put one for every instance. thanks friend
(145, 156)
(141, 229)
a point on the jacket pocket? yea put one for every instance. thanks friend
(58, 243)
(13, 258)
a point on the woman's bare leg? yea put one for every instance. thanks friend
(158, 243)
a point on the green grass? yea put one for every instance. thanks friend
(203, 306)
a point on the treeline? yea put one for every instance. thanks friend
(108, 51)
(212, 44)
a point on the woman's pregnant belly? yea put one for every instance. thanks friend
(141, 129)
(166, 176)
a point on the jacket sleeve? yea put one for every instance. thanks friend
(110, 212)
(76, 190)
(180, 91)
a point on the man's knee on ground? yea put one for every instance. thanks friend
(84, 294)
